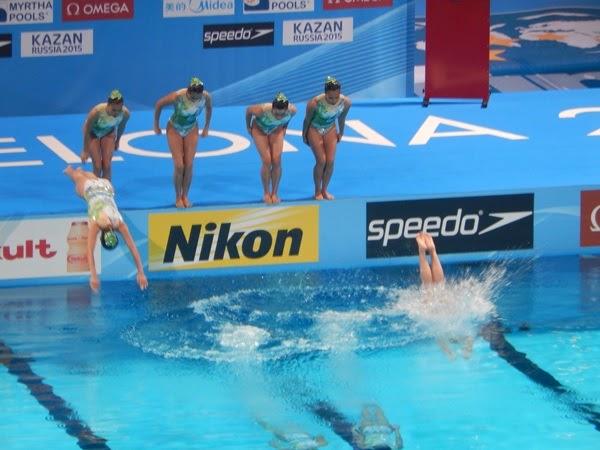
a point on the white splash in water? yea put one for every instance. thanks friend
(338, 329)
(453, 308)
(242, 339)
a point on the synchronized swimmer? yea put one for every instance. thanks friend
(102, 130)
(182, 133)
(267, 124)
(104, 218)
(320, 132)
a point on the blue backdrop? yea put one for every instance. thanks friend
(64, 56)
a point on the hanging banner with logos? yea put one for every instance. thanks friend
(245, 51)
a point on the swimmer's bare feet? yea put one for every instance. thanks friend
(179, 203)
(327, 195)
(275, 199)
(186, 202)
(318, 196)
(430, 244)
(421, 241)
(267, 198)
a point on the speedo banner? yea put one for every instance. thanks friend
(459, 225)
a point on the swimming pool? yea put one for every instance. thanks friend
(195, 363)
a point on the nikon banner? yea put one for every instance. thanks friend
(235, 237)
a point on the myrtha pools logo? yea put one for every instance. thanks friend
(16, 12)
(277, 6)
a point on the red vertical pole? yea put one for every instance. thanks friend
(457, 42)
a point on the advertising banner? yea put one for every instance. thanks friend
(77, 10)
(57, 43)
(236, 237)
(459, 225)
(590, 218)
(45, 248)
(26, 12)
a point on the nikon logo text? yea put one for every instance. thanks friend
(253, 244)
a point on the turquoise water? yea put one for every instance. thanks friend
(196, 364)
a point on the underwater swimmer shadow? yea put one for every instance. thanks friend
(493, 332)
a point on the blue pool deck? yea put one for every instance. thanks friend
(394, 148)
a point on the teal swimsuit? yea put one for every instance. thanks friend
(297, 441)
(378, 436)
(326, 114)
(267, 122)
(105, 123)
(185, 114)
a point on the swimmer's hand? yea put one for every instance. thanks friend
(157, 129)
(305, 137)
(84, 156)
(204, 132)
(339, 137)
(142, 281)
(94, 283)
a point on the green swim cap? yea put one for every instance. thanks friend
(195, 81)
(109, 240)
(331, 83)
(115, 96)
(280, 101)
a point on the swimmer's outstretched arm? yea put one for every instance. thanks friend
(87, 129)
(160, 104)
(121, 127)
(141, 276)
(342, 118)
(207, 114)
(93, 231)
(252, 112)
(292, 111)
(311, 107)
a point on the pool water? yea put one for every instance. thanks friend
(221, 362)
